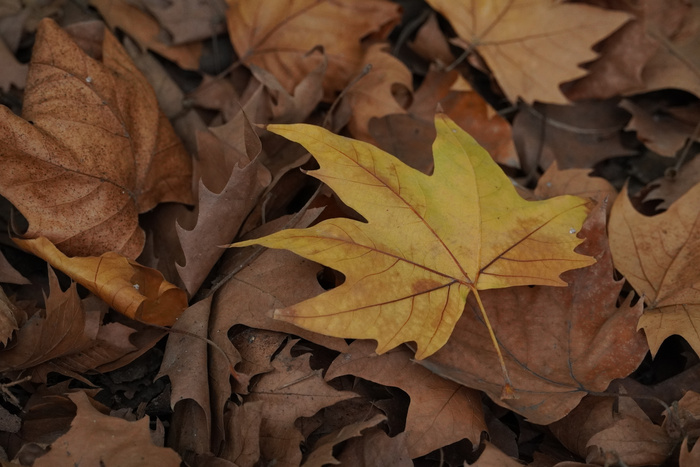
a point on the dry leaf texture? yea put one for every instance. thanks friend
(531, 46)
(92, 150)
(659, 256)
(428, 241)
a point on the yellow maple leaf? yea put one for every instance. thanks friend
(428, 240)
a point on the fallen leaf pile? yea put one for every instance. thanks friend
(366, 233)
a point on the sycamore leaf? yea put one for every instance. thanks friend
(531, 46)
(134, 290)
(428, 240)
(659, 256)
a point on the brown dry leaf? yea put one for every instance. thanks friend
(187, 20)
(677, 61)
(689, 458)
(322, 453)
(632, 438)
(145, 30)
(555, 182)
(8, 274)
(531, 46)
(185, 363)
(410, 136)
(624, 54)
(243, 434)
(64, 328)
(98, 439)
(221, 207)
(576, 136)
(669, 189)
(291, 391)
(494, 457)
(92, 149)
(431, 43)
(276, 37)
(13, 72)
(136, 291)
(10, 318)
(556, 344)
(441, 412)
(295, 107)
(255, 359)
(376, 449)
(659, 256)
(656, 126)
(386, 89)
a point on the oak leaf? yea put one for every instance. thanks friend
(92, 150)
(659, 256)
(134, 290)
(428, 240)
(531, 46)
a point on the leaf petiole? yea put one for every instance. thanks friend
(508, 390)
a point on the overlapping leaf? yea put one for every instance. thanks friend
(92, 150)
(428, 240)
(659, 256)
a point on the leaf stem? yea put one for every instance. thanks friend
(508, 390)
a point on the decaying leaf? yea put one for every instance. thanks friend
(659, 256)
(428, 240)
(531, 46)
(92, 150)
(136, 291)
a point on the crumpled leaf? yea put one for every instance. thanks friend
(136, 291)
(277, 37)
(428, 241)
(659, 256)
(441, 412)
(187, 20)
(92, 150)
(98, 439)
(558, 343)
(8, 318)
(531, 46)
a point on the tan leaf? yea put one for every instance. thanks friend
(531, 46)
(8, 318)
(659, 255)
(92, 150)
(322, 453)
(276, 37)
(98, 439)
(555, 182)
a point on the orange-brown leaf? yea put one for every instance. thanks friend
(428, 240)
(277, 36)
(92, 150)
(136, 291)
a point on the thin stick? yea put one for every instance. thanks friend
(508, 390)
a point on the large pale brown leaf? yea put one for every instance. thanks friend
(531, 46)
(558, 343)
(92, 149)
(659, 256)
